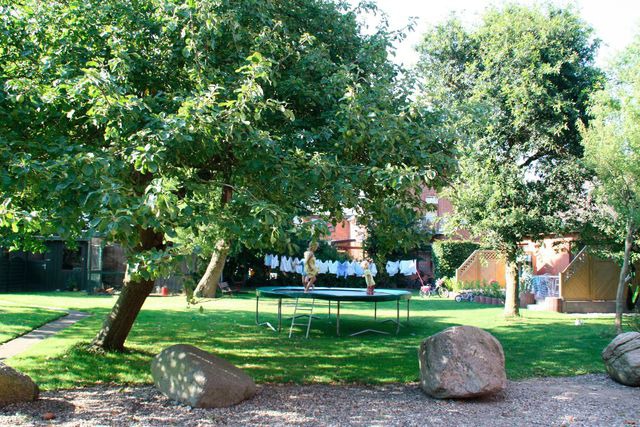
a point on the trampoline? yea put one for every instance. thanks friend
(336, 295)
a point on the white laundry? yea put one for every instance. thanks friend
(333, 267)
(373, 268)
(392, 267)
(358, 269)
(286, 264)
(351, 269)
(267, 260)
(323, 266)
(275, 262)
(342, 269)
(296, 265)
(408, 267)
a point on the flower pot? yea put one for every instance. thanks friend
(527, 298)
(495, 301)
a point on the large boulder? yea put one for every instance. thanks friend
(462, 362)
(622, 358)
(15, 386)
(199, 379)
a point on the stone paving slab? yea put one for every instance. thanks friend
(21, 344)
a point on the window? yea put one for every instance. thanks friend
(71, 259)
(431, 200)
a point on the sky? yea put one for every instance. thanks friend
(615, 21)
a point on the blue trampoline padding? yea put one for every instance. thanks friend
(333, 294)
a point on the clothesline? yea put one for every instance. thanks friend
(404, 267)
(340, 269)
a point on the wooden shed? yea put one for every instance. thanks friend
(58, 268)
(88, 265)
(482, 266)
(590, 284)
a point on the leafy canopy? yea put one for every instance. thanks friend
(513, 89)
(199, 120)
(612, 149)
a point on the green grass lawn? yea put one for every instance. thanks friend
(538, 344)
(17, 320)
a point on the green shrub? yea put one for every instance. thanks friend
(452, 284)
(448, 255)
(495, 290)
(475, 285)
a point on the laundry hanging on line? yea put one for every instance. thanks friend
(344, 269)
(404, 267)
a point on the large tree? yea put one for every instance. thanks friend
(612, 149)
(514, 88)
(159, 122)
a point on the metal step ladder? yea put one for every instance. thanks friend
(303, 307)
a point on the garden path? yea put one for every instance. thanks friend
(22, 343)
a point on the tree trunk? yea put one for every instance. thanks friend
(511, 289)
(624, 271)
(209, 282)
(118, 324)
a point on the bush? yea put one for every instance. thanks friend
(448, 255)
(452, 284)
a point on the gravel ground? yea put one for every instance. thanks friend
(593, 400)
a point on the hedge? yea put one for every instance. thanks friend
(448, 255)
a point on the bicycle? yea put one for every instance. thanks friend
(465, 296)
(437, 290)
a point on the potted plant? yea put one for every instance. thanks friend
(495, 292)
(477, 292)
(453, 286)
(486, 296)
(501, 296)
(526, 284)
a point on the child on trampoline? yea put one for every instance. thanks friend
(310, 268)
(368, 277)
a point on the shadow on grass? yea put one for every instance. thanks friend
(16, 321)
(536, 345)
(80, 365)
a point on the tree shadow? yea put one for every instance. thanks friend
(534, 346)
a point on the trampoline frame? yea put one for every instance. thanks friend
(293, 292)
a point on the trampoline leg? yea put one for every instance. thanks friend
(257, 318)
(338, 319)
(397, 316)
(408, 311)
(329, 310)
(279, 314)
(375, 310)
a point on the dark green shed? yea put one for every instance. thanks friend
(58, 268)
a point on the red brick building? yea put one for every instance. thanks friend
(348, 236)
